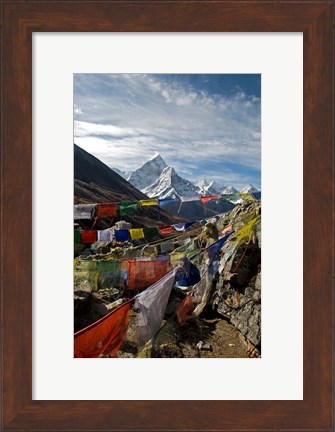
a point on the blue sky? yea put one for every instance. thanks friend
(203, 125)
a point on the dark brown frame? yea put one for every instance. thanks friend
(19, 20)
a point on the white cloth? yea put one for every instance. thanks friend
(151, 304)
(83, 211)
(105, 235)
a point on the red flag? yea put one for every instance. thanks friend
(142, 274)
(165, 229)
(103, 336)
(205, 199)
(107, 210)
(88, 236)
(185, 310)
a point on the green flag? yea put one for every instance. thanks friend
(151, 233)
(128, 208)
(76, 236)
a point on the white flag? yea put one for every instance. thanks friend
(152, 304)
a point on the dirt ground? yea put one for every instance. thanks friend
(204, 338)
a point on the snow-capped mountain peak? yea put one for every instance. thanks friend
(148, 173)
(170, 185)
(248, 188)
(229, 190)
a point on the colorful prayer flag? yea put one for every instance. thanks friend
(136, 233)
(150, 202)
(182, 226)
(106, 210)
(105, 235)
(215, 248)
(76, 236)
(185, 310)
(162, 202)
(105, 335)
(122, 235)
(143, 273)
(88, 236)
(165, 229)
(83, 211)
(128, 208)
(205, 199)
(151, 304)
(151, 233)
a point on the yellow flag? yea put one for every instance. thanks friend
(136, 234)
(150, 202)
(175, 258)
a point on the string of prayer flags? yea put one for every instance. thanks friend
(185, 310)
(162, 202)
(83, 211)
(76, 236)
(104, 336)
(128, 208)
(205, 199)
(88, 236)
(165, 229)
(105, 235)
(122, 235)
(151, 304)
(145, 272)
(136, 233)
(151, 233)
(150, 202)
(106, 210)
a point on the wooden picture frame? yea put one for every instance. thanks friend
(19, 21)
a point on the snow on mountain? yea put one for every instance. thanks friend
(171, 185)
(248, 188)
(229, 190)
(121, 173)
(148, 173)
(205, 188)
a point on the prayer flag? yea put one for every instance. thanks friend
(105, 335)
(182, 226)
(128, 208)
(246, 197)
(205, 199)
(150, 202)
(76, 236)
(143, 273)
(88, 236)
(105, 235)
(106, 210)
(215, 248)
(121, 235)
(175, 258)
(136, 233)
(167, 246)
(151, 304)
(109, 274)
(83, 211)
(151, 233)
(165, 229)
(189, 276)
(185, 310)
(164, 201)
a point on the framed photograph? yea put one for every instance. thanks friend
(146, 91)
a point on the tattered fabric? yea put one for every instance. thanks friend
(182, 226)
(143, 273)
(83, 211)
(103, 336)
(106, 210)
(185, 310)
(162, 202)
(151, 304)
(217, 246)
(88, 236)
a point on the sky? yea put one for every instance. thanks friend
(205, 126)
